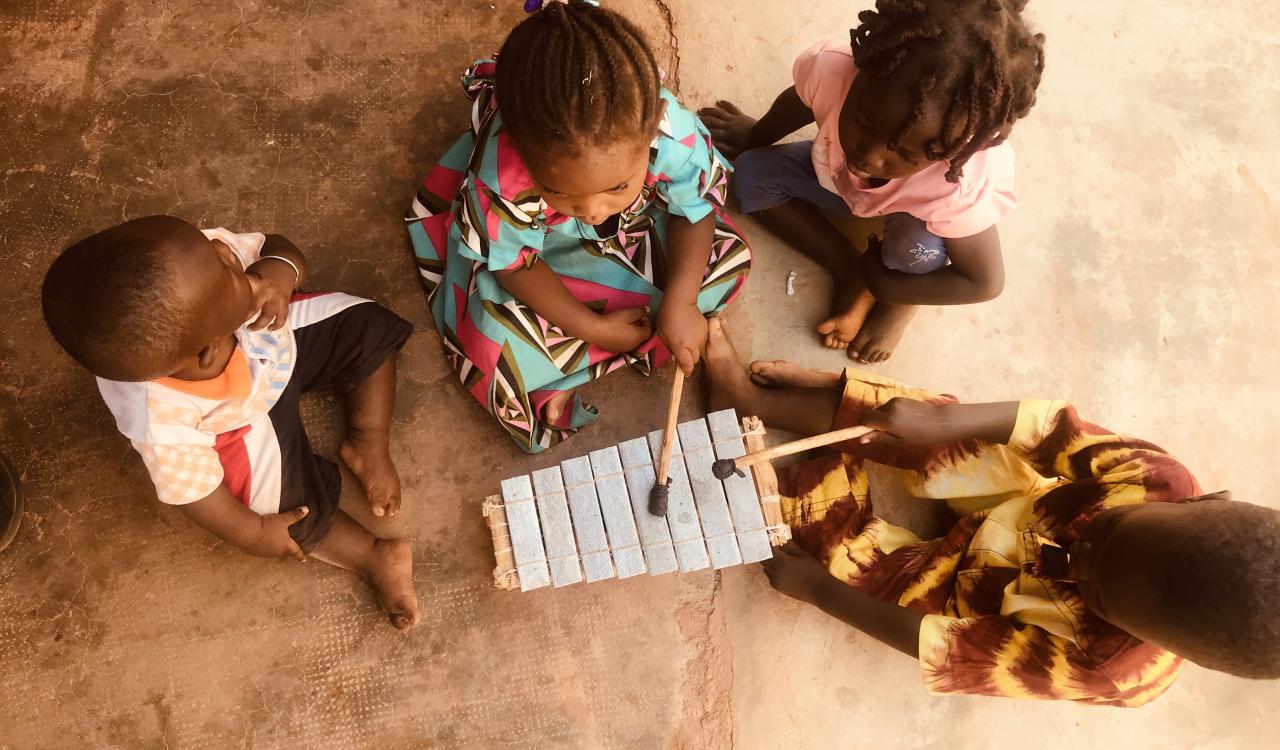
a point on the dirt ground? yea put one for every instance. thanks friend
(1143, 283)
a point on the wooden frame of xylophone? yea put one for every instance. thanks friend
(587, 518)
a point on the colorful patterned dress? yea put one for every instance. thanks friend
(993, 624)
(478, 212)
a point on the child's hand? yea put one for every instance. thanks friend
(683, 329)
(730, 128)
(796, 573)
(622, 330)
(272, 282)
(273, 538)
(904, 421)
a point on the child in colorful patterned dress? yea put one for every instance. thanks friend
(912, 119)
(582, 214)
(202, 350)
(1082, 565)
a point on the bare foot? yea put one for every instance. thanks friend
(369, 458)
(553, 410)
(730, 388)
(391, 573)
(849, 309)
(881, 333)
(781, 373)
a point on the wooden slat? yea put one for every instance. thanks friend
(744, 503)
(655, 536)
(526, 536)
(615, 506)
(682, 514)
(708, 495)
(504, 571)
(766, 484)
(557, 530)
(588, 525)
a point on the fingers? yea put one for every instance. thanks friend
(729, 152)
(712, 115)
(729, 107)
(633, 314)
(281, 312)
(685, 359)
(295, 551)
(295, 515)
(262, 320)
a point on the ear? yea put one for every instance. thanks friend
(207, 355)
(226, 254)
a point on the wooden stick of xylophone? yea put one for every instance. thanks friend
(726, 467)
(661, 491)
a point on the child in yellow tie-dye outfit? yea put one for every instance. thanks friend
(1083, 565)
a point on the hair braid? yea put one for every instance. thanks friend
(974, 60)
(576, 74)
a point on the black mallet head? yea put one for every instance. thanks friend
(658, 498)
(725, 468)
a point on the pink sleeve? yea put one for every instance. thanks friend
(823, 74)
(804, 74)
(985, 197)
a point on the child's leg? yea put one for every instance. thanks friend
(387, 563)
(908, 247)
(777, 185)
(366, 449)
(807, 411)
(352, 343)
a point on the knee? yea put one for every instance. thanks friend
(911, 248)
(750, 182)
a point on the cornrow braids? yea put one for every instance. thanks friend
(576, 74)
(975, 60)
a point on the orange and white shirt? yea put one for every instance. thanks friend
(176, 424)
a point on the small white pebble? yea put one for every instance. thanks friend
(791, 284)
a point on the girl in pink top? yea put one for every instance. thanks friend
(912, 118)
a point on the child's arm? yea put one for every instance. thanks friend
(228, 519)
(735, 132)
(681, 324)
(911, 422)
(273, 280)
(542, 290)
(796, 573)
(975, 274)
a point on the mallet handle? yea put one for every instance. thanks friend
(803, 444)
(669, 433)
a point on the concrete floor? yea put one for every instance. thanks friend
(1143, 282)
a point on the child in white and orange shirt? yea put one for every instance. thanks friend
(202, 349)
(912, 118)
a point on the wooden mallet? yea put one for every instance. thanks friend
(727, 467)
(662, 485)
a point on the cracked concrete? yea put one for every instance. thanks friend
(1142, 272)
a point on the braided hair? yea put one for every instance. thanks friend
(976, 60)
(575, 74)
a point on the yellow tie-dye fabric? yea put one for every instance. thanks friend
(991, 627)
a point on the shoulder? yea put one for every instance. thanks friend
(828, 61)
(247, 246)
(823, 74)
(497, 166)
(678, 123)
(989, 168)
(128, 402)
